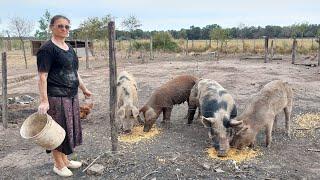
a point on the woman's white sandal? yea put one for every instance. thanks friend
(74, 164)
(64, 172)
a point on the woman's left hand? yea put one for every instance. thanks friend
(87, 93)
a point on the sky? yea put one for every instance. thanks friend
(168, 14)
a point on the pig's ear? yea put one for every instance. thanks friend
(244, 128)
(121, 112)
(135, 112)
(205, 121)
(236, 123)
(150, 113)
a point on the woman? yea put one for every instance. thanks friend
(58, 86)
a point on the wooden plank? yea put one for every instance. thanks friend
(113, 85)
(4, 90)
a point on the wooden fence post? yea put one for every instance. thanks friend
(151, 48)
(319, 51)
(113, 85)
(254, 46)
(271, 51)
(4, 90)
(87, 53)
(187, 47)
(266, 43)
(76, 46)
(192, 45)
(294, 50)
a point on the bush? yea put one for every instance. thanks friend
(141, 45)
(164, 41)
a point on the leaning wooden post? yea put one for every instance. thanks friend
(4, 91)
(113, 85)
(87, 53)
(294, 50)
(151, 48)
(266, 42)
(319, 51)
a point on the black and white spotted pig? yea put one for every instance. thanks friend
(217, 107)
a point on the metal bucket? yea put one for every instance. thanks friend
(43, 130)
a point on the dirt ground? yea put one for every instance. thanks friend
(178, 152)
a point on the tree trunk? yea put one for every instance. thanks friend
(24, 53)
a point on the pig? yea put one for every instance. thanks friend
(260, 112)
(175, 91)
(216, 107)
(127, 102)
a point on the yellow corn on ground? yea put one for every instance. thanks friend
(235, 154)
(137, 134)
(306, 124)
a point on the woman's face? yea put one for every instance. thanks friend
(60, 28)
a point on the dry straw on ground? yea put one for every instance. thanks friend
(307, 124)
(235, 154)
(137, 135)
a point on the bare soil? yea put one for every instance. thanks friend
(180, 151)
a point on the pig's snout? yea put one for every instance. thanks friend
(146, 128)
(128, 131)
(222, 153)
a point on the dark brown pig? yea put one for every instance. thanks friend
(175, 91)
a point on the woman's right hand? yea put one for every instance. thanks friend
(43, 108)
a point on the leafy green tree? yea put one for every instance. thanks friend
(131, 23)
(43, 32)
(220, 35)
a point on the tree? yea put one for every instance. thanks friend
(44, 23)
(242, 34)
(302, 28)
(131, 23)
(21, 28)
(221, 35)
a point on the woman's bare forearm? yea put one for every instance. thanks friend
(42, 84)
(81, 84)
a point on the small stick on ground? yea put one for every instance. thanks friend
(177, 176)
(302, 129)
(314, 150)
(155, 171)
(93, 162)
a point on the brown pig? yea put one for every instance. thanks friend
(175, 91)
